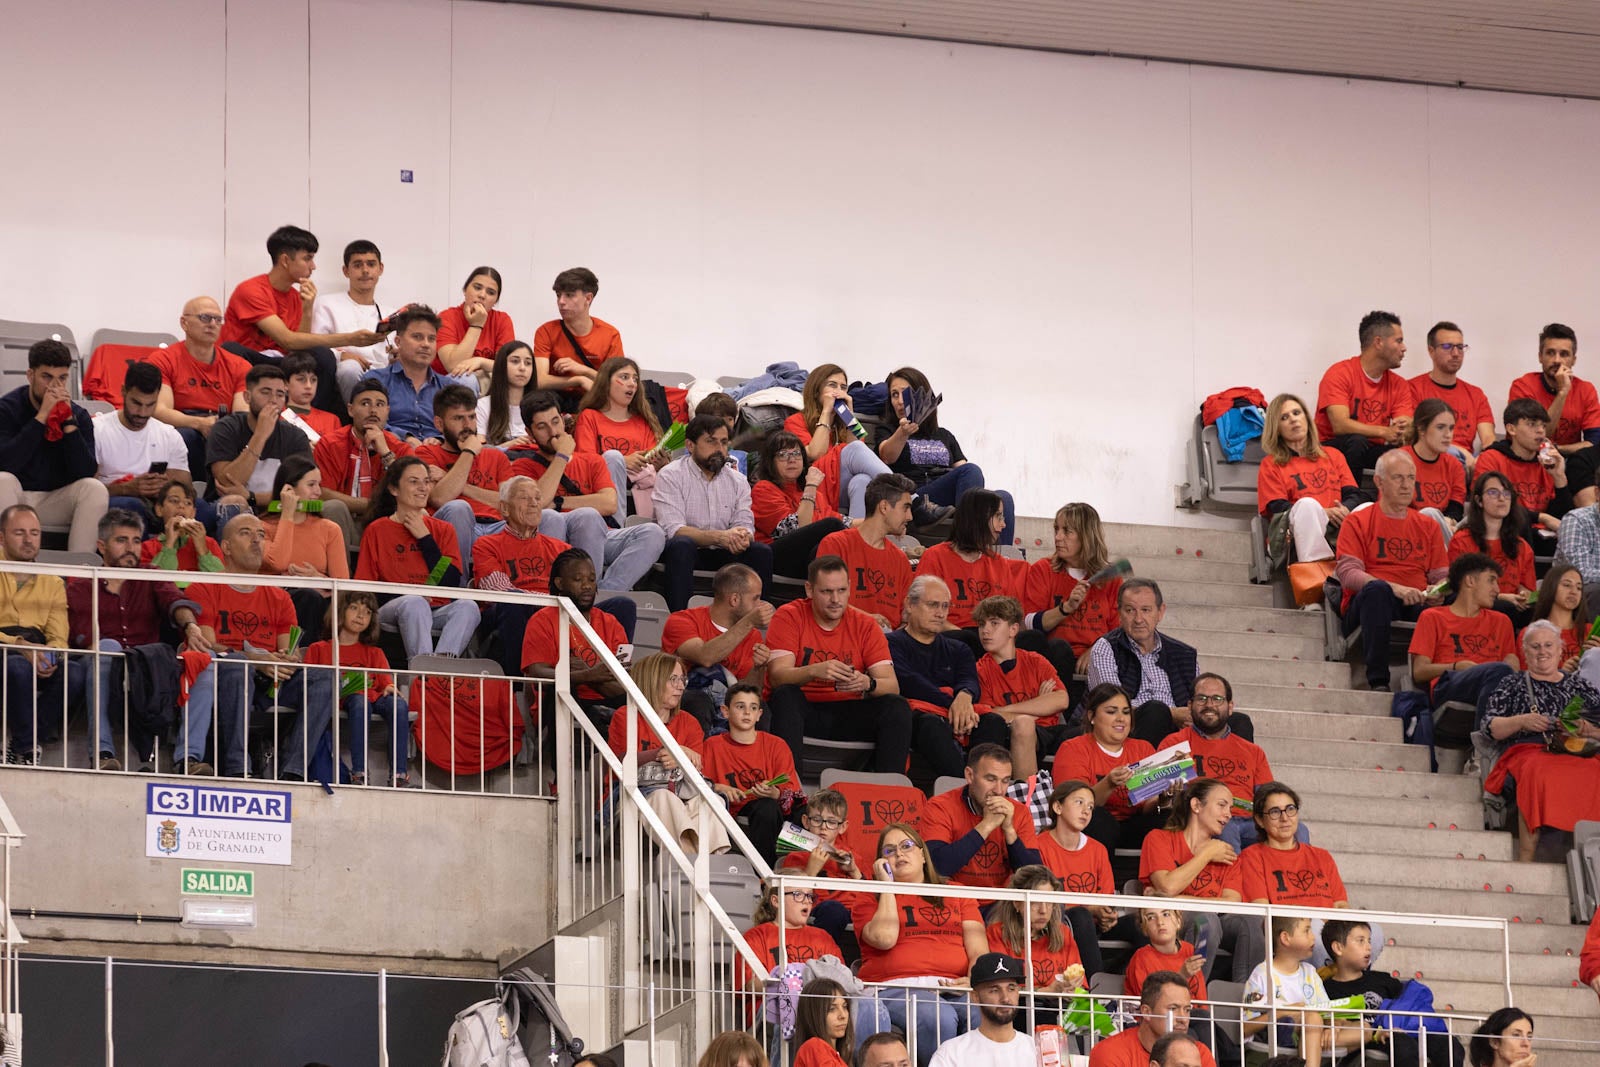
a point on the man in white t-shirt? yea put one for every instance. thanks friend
(135, 455)
(996, 991)
(353, 311)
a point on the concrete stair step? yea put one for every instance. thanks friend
(1358, 785)
(1349, 838)
(1297, 696)
(1242, 669)
(1470, 874)
(1244, 620)
(1036, 535)
(1561, 939)
(1200, 593)
(1258, 643)
(1387, 896)
(1329, 726)
(1565, 1035)
(1390, 756)
(1456, 965)
(1539, 1001)
(1188, 568)
(1416, 812)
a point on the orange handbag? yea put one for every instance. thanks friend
(1306, 580)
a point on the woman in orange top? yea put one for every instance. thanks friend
(932, 939)
(1041, 936)
(1102, 756)
(971, 564)
(1562, 604)
(823, 1034)
(616, 423)
(304, 543)
(1497, 525)
(1302, 489)
(790, 514)
(661, 678)
(472, 332)
(1065, 613)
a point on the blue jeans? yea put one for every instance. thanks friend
(395, 713)
(938, 1016)
(35, 705)
(194, 723)
(417, 621)
(1471, 686)
(309, 691)
(952, 485)
(620, 557)
(469, 528)
(858, 465)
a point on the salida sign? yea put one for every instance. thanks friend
(201, 822)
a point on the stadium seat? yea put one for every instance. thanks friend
(672, 378)
(1225, 1010)
(70, 559)
(946, 782)
(735, 885)
(731, 381)
(875, 800)
(652, 608)
(15, 340)
(110, 351)
(1215, 481)
(1583, 869)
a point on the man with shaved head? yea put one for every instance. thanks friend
(199, 381)
(1388, 556)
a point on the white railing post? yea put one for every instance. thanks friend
(383, 1015)
(568, 834)
(632, 843)
(703, 975)
(111, 1050)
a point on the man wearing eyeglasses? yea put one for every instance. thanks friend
(1447, 349)
(200, 380)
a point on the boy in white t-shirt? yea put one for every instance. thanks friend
(356, 310)
(1289, 983)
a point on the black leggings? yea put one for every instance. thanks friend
(793, 552)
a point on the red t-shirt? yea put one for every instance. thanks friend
(991, 575)
(200, 386)
(1304, 875)
(1589, 957)
(1400, 551)
(322, 423)
(490, 467)
(1082, 758)
(818, 1053)
(730, 763)
(1237, 763)
(255, 299)
(597, 433)
(999, 688)
(856, 640)
(585, 470)
(1515, 574)
(1046, 964)
(1167, 850)
(1373, 403)
(1125, 1050)
(771, 503)
(1044, 587)
(1086, 869)
(1466, 402)
(799, 946)
(497, 330)
(1581, 411)
(694, 623)
(828, 462)
(188, 557)
(1320, 479)
(796, 861)
(879, 577)
(524, 560)
(1148, 960)
(684, 727)
(948, 818)
(1532, 480)
(931, 942)
(539, 645)
(1445, 637)
(1438, 483)
(352, 659)
(346, 465)
(390, 554)
(601, 343)
(259, 616)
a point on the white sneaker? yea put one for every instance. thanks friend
(1311, 607)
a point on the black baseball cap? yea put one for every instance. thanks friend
(996, 967)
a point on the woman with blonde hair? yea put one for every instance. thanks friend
(1066, 613)
(1303, 490)
(733, 1048)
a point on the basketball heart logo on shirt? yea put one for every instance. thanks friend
(888, 811)
(1434, 494)
(1202, 882)
(974, 589)
(244, 622)
(1313, 480)
(1470, 644)
(822, 655)
(935, 914)
(1398, 548)
(1081, 882)
(1569, 430)
(1301, 880)
(617, 444)
(797, 954)
(990, 857)
(1374, 412)
(870, 580)
(1218, 767)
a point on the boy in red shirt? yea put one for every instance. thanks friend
(1019, 686)
(313, 422)
(1388, 557)
(1363, 406)
(742, 765)
(1569, 402)
(568, 351)
(978, 835)
(827, 815)
(879, 571)
(1536, 470)
(1464, 649)
(262, 323)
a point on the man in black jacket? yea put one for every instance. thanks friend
(48, 445)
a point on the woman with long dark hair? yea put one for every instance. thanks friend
(616, 423)
(1562, 604)
(1496, 524)
(1504, 1040)
(500, 412)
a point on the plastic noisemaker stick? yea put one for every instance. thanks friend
(1117, 568)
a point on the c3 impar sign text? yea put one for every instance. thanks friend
(202, 822)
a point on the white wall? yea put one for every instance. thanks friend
(1075, 250)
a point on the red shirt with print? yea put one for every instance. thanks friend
(524, 560)
(1445, 637)
(1466, 402)
(347, 466)
(1047, 964)
(1580, 413)
(1532, 480)
(1232, 760)
(856, 641)
(879, 577)
(599, 433)
(390, 554)
(1024, 679)
(970, 583)
(1044, 587)
(694, 623)
(260, 616)
(730, 762)
(1515, 574)
(1440, 483)
(1085, 869)
(1318, 479)
(497, 330)
(490, 467)
(1082, 758)
(1167, 850)
(1371, 402)
(197, 386)
(948, 818)
(585, 470)
(1303, 875)
(1400, 551)
(931, 941)
(540, 645)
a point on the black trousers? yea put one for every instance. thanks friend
(1359, 452)
(682, 557)
(1373, 608)
(763, 819)
(793, 552)
(884, 720)
(328, 397)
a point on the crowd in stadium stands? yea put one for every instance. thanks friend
(425, 449)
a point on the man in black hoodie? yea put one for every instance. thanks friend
(48, 443)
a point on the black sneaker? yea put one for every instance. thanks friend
(29, 758)
(924, 514)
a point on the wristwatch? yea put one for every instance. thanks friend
(559, 503)
(872, 685)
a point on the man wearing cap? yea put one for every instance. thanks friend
(996, 990)
(1163, 1010)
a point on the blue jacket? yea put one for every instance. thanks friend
(41, 465)
(785, 375)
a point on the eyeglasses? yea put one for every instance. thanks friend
(1219, 701)
(209, 320)
(677, 679)
(908, 845)
(1288, 811)
(826, 823)
(1447, 347)
(805, 896)
(788, 453)
(1497, 494)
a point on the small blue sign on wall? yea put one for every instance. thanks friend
(405, 177)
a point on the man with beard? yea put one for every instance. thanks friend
(1570, 403)
(244, 449)
(1164, 1007)
(1363, 407)
(996, 992)
(48, 444)
(703, 506)
(583, 500)
(33, 637)
(1447, 349)
(411, 381)
(130, 615)
(467, 474)
(352, 461)
(1220, 753)
(129, 443)
(978, 835)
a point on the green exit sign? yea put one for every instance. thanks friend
(197, 882)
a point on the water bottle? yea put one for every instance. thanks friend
(848, 417)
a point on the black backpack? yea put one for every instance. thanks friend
(150, 681)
